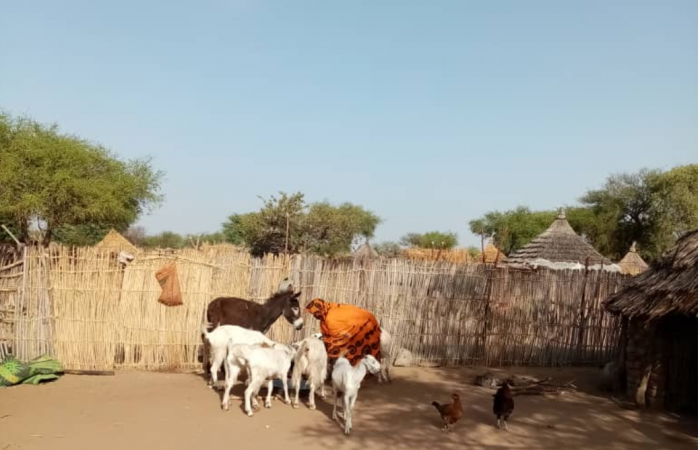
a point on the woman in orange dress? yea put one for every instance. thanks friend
(346, 328)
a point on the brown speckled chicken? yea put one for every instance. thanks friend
(450, 412)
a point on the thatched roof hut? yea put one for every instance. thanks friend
(559, 247)
(632, 263)
(659, 309)
(670, 287)
(491, 252)
(115, 241)
(366, 252)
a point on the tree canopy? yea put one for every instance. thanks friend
(66, 187)
(286, 223)
(432, 239)
(650, 207)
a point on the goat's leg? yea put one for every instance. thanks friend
(251, 390)
(312, 394)
(505, 422)
(285, 388)
(347, 413)
(297, 382)
(268, 398)
(335, 404)
(231, 378)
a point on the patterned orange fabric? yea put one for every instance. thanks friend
(346, 327)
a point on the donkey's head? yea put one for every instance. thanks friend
(292, 311)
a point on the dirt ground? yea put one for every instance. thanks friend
(136, 410)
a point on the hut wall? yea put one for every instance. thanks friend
(669, 347)
(645, 351)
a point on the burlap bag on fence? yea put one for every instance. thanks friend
(169, 282)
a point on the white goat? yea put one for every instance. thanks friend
(219, 339)
(347, 379)
(263, 362)
(385, 346)
(310, 360)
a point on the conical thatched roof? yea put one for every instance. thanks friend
(669, 287)
(632, 263)
(490, 253)
(365, 252)
(559, 247)
(115, 241)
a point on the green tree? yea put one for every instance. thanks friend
(332, 230)
(63, 184)
(166, 239)
(287, 223)
(650, 207)
(231, 230)
(432, 239)
(388, 249)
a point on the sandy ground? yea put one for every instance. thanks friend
(136, 410)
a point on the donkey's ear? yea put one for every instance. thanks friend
(296, 294)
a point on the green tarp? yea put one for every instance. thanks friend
(13, 371)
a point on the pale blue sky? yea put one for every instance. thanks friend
(427, 113)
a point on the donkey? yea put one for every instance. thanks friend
(252, 315)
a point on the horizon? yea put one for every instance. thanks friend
(427, 117)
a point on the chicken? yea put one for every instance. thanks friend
(450, 412)
(503, 405)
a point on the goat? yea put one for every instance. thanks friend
(347, 379)
(310, 360)
(219, 340)
(385, 346)
(263, 362)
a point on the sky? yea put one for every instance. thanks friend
(430, 114)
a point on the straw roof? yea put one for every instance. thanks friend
(365, 252)
(669, 287)
(559, 247)
(115, 241)
(490, 253)
(632, 263)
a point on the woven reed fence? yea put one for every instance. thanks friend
(82, 306)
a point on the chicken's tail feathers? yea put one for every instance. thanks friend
(436, 405)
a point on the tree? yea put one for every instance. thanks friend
(231, 230)
(332, 230)
(432, 239)
(136, 235)
(286, 223)
(650, 207)
(388, 249)
(64, 185)
(166, 239)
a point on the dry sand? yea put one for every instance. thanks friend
(136, 410)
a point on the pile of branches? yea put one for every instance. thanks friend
(526, 385)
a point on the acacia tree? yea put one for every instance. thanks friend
(62, 184)
(286, 223)
(433, 239)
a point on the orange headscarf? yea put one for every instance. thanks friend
(346, 327)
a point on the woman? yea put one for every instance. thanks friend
(346, 327)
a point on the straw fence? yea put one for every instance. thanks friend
(91, 312)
